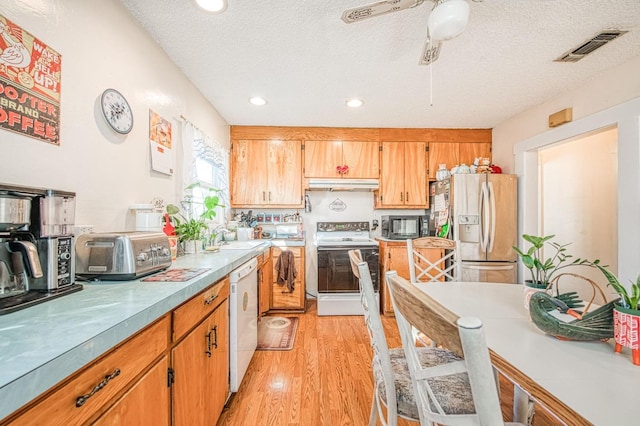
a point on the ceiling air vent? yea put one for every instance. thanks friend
(590, 45)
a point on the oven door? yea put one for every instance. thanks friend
(334, 269)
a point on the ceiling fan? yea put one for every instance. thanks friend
(447, 20)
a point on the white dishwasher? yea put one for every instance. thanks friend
(243, 320)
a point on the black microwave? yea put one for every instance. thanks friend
(405, 227)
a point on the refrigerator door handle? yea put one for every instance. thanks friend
(484, 216)
(488, 268)
(492, 200)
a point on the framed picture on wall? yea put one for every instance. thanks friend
(160, 141)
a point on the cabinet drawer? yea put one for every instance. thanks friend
(107, 377)
(199, 306)
(281, 298)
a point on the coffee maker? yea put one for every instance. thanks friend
(37, 259)
(52, 221)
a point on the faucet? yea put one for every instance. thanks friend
(218, 230)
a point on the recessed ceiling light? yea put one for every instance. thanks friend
(215, 6)
(257, 100)
(354, 103)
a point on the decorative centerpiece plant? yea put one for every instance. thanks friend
(187, 225)
(628, 299)
(626, 314)
(543, 269)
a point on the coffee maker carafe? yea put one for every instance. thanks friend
(19, 260)
(52, 221)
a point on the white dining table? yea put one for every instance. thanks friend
(579, 382)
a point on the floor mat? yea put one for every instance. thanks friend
(277, 333)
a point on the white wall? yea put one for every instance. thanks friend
(611, 88)
(580, 203)
(611, 100)
(103, 47)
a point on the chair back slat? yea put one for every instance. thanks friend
(444, 267)
(425, 315)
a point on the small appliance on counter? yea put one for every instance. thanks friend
(121, 256)
(36, 246)
(404, 227)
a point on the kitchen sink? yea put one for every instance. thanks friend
(241, 245)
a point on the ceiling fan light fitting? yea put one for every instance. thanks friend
(354, 103)
(448, 19)
(214, 6)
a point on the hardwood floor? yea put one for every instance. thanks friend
(324, 380)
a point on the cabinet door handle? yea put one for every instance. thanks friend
(264, 196)
(208, 351)
(82, 399)
(269, 195)
(402, 196)
(407, 197)
(210, 299)
(215, 336)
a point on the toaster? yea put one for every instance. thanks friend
(121, 255)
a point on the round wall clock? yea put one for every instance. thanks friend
(117, 111)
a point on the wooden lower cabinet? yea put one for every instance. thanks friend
(265, 270)
(129, 385)
(281, 298)
(394, 257)
(107, 385)
(200, 360)
(146, 403)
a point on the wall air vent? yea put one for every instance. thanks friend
(590, 45)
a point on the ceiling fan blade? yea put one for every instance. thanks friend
(376, 9)
(430, 52)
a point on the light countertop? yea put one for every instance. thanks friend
(43, 344)
(588, 377)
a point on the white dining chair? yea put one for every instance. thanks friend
(393, 390)
(424, 268)
(413, 308)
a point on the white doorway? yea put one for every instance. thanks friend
(579, 201)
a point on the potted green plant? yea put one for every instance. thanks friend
(189, 227)
(626, 313)
(544, 269)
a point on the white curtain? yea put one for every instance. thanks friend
(205, 162)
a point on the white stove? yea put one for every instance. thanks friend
(338, 288)
(343, 234)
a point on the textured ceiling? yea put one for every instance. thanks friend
(306, 61)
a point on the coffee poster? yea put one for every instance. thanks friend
(30, 73)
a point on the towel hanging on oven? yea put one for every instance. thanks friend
(286, 270)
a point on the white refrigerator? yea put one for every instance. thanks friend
(480, 212)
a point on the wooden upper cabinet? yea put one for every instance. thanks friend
(453, 154)
(442, 153)
(266, 173)
(403, 181)
(327, 159)
(284, 169)
(470, 151)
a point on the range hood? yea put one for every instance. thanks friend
(343, 184)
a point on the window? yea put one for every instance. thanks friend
(205, 163)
